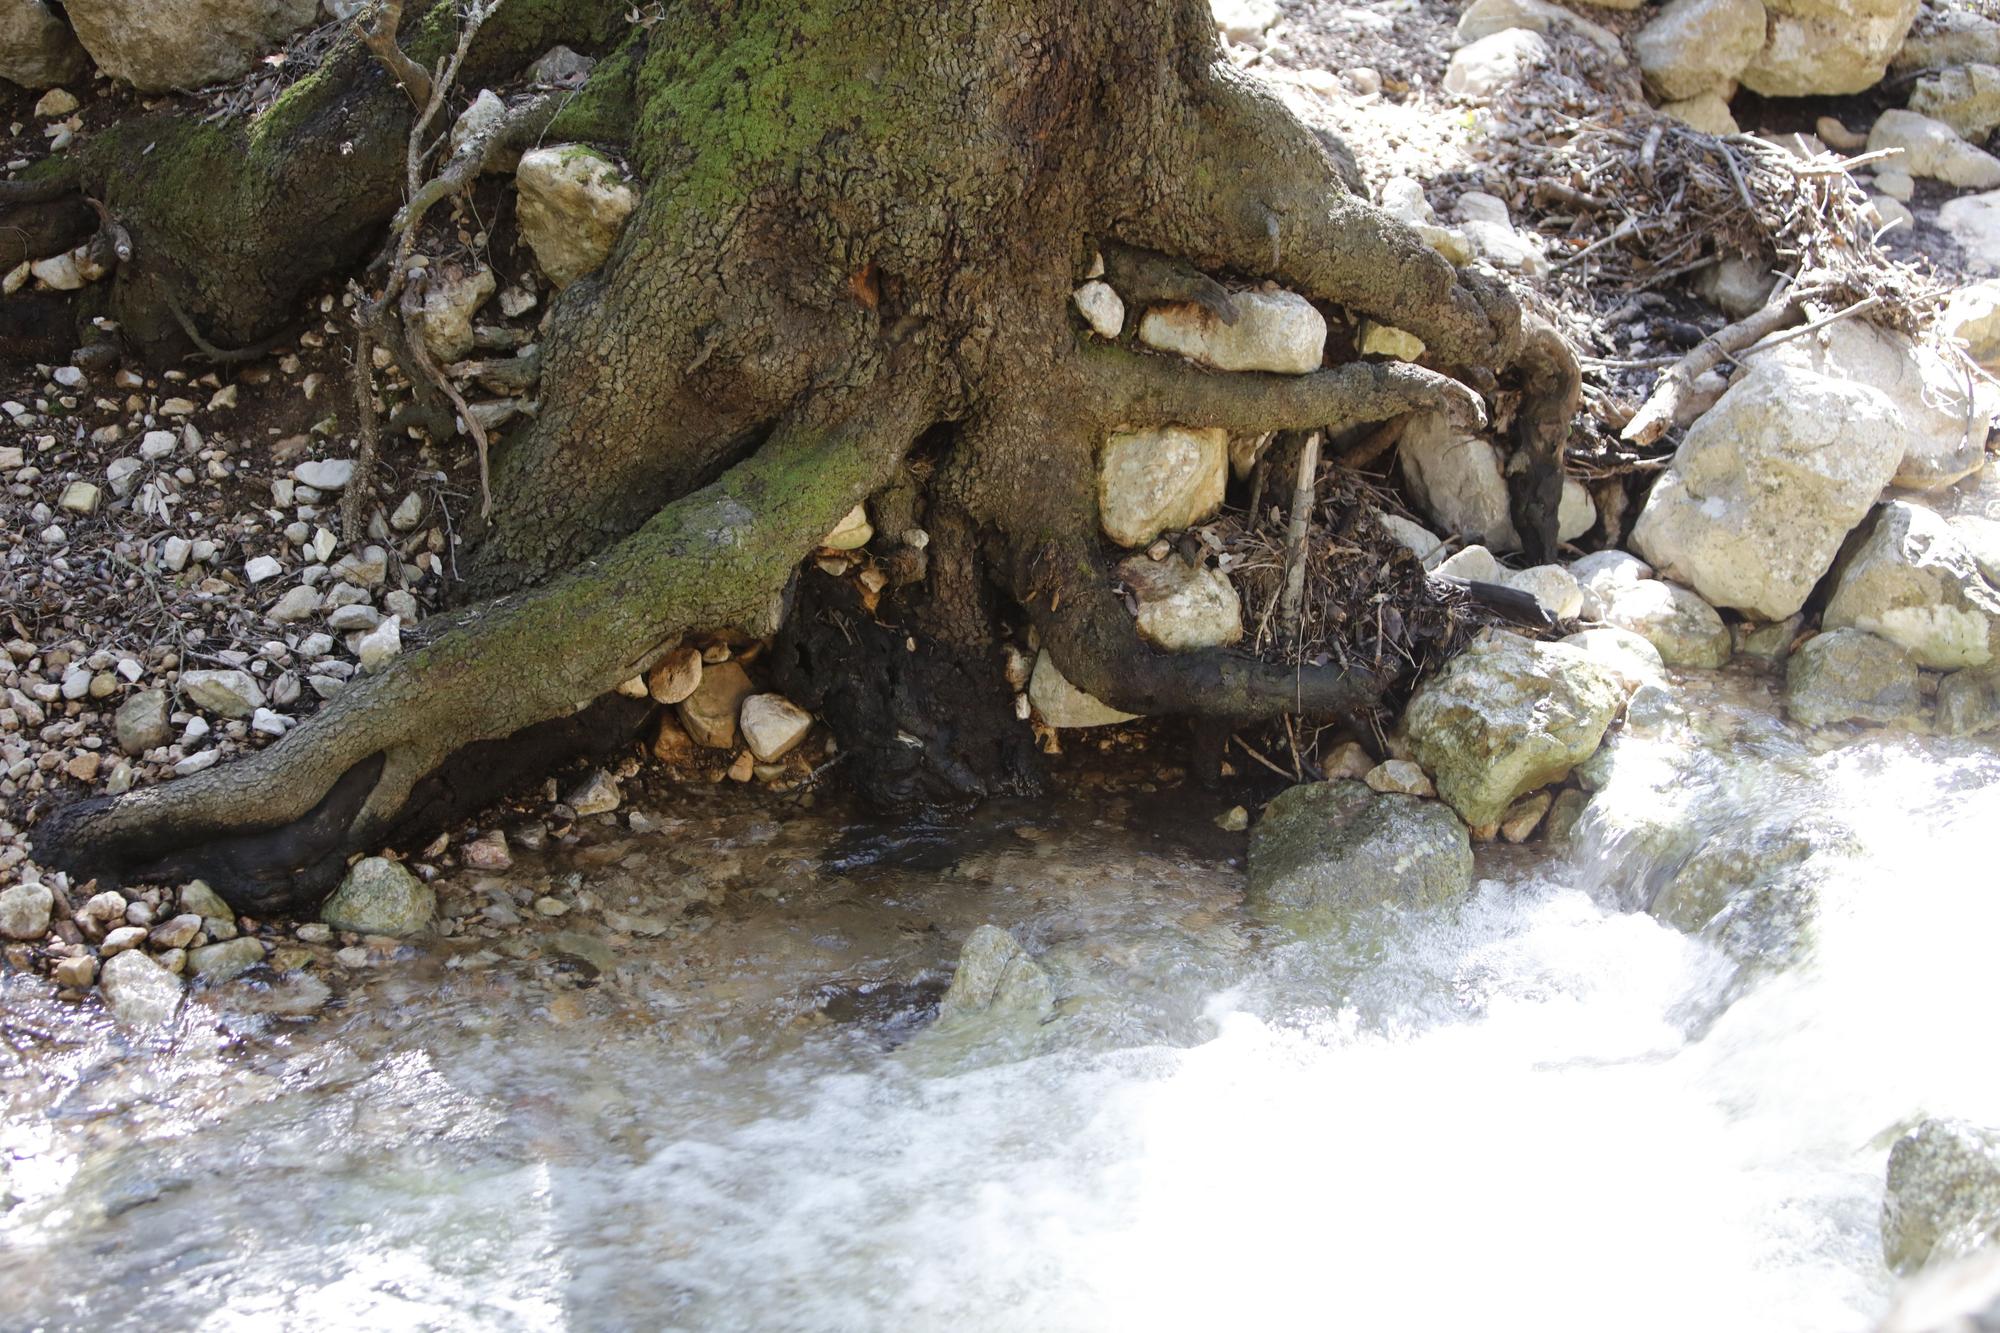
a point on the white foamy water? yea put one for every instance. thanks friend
(1542, 1110)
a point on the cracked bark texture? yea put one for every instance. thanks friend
(860, 228)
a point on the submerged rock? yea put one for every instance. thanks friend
(138, 990)
(996, 975)
(1942, 1199)
(1506, 716)
(1850, 675)
(216, 963)
(1326, 849)
(380, 897)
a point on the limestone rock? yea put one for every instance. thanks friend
(1767, 483)
(1946, 33)
(709, 713)
(1965, 97)
(851, 533)
(1182, 606)
(1525, 816)
(1276, 331)
(1061, 704)
(1942, 1199)
(597, 794)
(141, 722)
(379, 646)
(1911, 581)
(167, 45)
(24, 911)
(1413, 537)
(1457, 479)
(1631, 660)
(772, 726)
(995, 974)
(675, 676)
(36, 48)
(1483, 18)
(573, 204)
(1506, 716)
(138, 991)
(380, 897)
(1324, 850)
(451, 298)
(1554, 589)
(1602, 573)
(1244, 21)
(1474, 562)
(1399, 776)
(1736, 286)
(1973, 222)
(1708, 113)
(227, 959)
(1154, 481)
(1934, 149)
(1697, 46)
(1378, 339)
(227, 693)
(1973, 317)
(1685, 629)
(1101, 308)
(1828, 46)
(1980, 536)
(1481, 70)
(1968, 702)
(1850, 675)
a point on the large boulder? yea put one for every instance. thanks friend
(1326, 849)
(1910, 580)
(1942, 1199)
(1849, 675)
(1456, 477)
(1274, 330)
(1968, 702)
(37, 49)
(1766, 485)
(1153, 481)
(1698, 46)
(1947, 33)
(1506, 716)
(1828, 46)
(1934, 149)
(162, 45)
(573, 204)
(380, 897)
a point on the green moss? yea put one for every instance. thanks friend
(603, 110)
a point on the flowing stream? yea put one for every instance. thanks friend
(727, 1106)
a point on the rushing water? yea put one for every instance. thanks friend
(1542, 1110)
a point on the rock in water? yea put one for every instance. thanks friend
(573, 204)
(1324, 850)
(36, 48)
(996, 975)
(1061, 704)
(1153, 481)
(24, 911)
(1274, 330)
(217, 963)
(1684, 629)
(380, 897)
(138, 990)
(1850, 675)
(1943, 1195)
(1911, 581)
(174, 45)
(1506, 716)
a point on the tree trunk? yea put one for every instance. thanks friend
(860, 228)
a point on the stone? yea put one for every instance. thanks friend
(1911, 581)
(1456, 477)
(227, 693)
(1413, 537)
(76, 972)
(55, 104)
(380, 897)
(324, 474)
(487, 852)
(176, 932)
(1694, 47)
(352, 617)
(1973, 223)
(1767, 483)
(380, 645)
(138, 991)
(25, 911)
(1506, 716)
(772, 726)
(995, 973)
(1708, 113)
(1736, 286)
(1324, 850)
(1968, 702)
(408, 513)
(1474, 562)
(37, 48)
(1350, 759)
(1850, 675)
(1896, 183)
(1379, 339)
(1479, 71)
(1818, 47)
(1972, 316)
(1942, 1199)
(226, 960)
(1483, 18)
(162, 46)
(1181, 606)
(141, 722)
(1061, 704)
(1155, 481)
(296, 604)
(1525, 816)
(1965, 97)
(1399, 775)
(851, 533)
(708, 714)
(1943, 433)
(1767, 642)
(80, 497)
(1932, 148)
(1891, 213)
(1630, 659)
(262, 569)
(1602, 573)
(452, 297)
(1101, 308)
(597, 794)
(1554, 589)
(675, 676)
(573, 203)
(1276, 331)
(1685, 629)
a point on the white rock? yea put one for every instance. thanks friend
(1576, 514)
(1483, 18)
(1896, 183)
(157, 444)
(138, 990)
(1981, 538)
(1553, 588)
(174, 553)
(1891, 213)
(1244, 21)
(597, 794)
(1276, 331)
(1698, 46)
(1475, 563)
(1456, 477)
(1973, 221)
(1913, 582)
(1481, 70)
(353, 616)
(1154, 481)
(451, 298)
(262, 568)
(379, 645)
(1827, 46)
(195, 763)
(1707, 112)
(267, 723)
(408, 514)
(1736, 286)
(80, 497)
(852, 532)
(1631, 659)
(1061, 704)
(1101, 308)
(573, 204)
(1181, 607)
(1685, 629)
(228, 692)
(1965, 97)
(297, 604)
(1379, 339)
(772, 726)
(325, 474)
(1602, 573)
(477, 120)
(24, 911)
(1932, 148)
(1414, 537)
